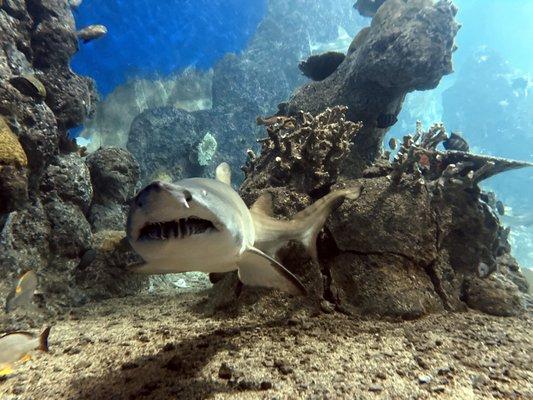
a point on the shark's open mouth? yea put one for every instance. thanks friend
(179, 229)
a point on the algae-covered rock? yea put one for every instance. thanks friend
(11, 151)
(13, 171)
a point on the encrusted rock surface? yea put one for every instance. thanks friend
(45, 186)
(115, 176)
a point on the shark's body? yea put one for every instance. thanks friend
(200, 224)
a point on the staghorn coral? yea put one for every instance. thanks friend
(305, 150)
(419, 157)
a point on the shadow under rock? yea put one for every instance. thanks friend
(174, 372)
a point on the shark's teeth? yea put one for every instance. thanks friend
(180, 229)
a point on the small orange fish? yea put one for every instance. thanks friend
(22, 295)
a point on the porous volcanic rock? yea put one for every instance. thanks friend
(45, 185)
(102, 274)
(68, 180)
(115, 176)
(413, 243)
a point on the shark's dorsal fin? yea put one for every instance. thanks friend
(223, 173)
(258, 269)
(263, 205)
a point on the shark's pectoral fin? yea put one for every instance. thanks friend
(258, 269)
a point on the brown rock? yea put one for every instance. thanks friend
(495, 295)
(383, 285)
(387, 219)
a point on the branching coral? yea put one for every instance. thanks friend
(418, 155)
(305, 150)
(373, 82)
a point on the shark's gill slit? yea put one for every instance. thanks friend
(178, 229)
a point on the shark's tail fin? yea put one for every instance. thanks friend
(316, 214)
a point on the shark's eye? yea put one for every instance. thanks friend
(188, 195)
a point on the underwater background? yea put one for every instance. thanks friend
(487, 99)
(351, 245)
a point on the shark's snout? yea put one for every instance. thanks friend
(142, 197)
(182, 196)
(163, 211)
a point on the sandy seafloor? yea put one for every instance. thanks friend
(163, 347)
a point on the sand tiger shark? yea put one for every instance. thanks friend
(200, 224)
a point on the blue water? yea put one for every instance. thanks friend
(147, 38)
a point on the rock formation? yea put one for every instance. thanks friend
(46, 187)
(416, 241)
(408, 47)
